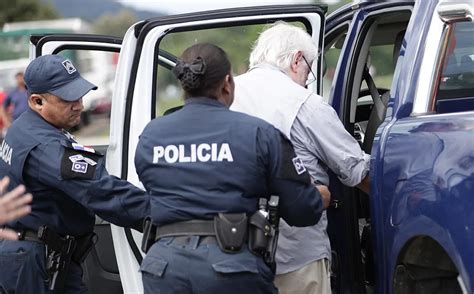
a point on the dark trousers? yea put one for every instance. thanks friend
(173, 266)
(22, 269)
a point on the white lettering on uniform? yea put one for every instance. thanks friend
(200, 154)
(194, 153)
(225, 154)
(158, 152)
(6, 153)
(171, 149)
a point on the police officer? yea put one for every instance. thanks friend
(68, 181)
(206, 167)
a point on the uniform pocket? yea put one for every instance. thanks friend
(235, 266)
(242, 262)
(154, 266)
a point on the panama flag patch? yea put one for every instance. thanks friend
(76, 146)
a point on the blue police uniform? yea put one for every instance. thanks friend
(69, 184)
(203, 160)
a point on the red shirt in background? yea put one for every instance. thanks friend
(3, 95)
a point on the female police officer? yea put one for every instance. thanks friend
(205, 161)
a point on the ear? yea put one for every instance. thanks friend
(36, 102)
(227, 87)
(296, 60)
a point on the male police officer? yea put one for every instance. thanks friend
(69, 183)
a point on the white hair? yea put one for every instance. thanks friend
(278, 44)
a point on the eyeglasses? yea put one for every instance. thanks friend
(310, 79)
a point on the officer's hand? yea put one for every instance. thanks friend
(13, 205)
(325, 195)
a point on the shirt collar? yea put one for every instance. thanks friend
(203, 100)
(268, 66)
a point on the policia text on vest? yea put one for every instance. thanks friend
(193, 153)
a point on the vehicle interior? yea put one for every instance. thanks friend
(367, 96)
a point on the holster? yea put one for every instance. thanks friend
(84, 246)
(149, 234)
(231, 231)
(260, 232)
(59, 253)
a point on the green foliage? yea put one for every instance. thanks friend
(25, 10)
(114, 24)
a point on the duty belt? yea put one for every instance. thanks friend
(186, 228)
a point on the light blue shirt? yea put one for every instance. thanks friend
(322, 143)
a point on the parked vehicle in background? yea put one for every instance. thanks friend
(401, 79)
(97, 66)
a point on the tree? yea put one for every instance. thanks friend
(25, 10)
(115, 24)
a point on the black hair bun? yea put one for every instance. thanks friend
(191, 74)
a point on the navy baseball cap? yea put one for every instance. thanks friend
(57, 75)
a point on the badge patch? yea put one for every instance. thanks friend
(78, 164)
(299, 166)
(79, 167)
(79, 157)
(69, 66)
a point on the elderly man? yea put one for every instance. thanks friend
(274, 89)
(68, 181)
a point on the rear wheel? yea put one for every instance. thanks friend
(425, 268)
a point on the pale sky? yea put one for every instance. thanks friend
(183, 6)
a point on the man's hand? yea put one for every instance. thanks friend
(13, 205)
(325, 195)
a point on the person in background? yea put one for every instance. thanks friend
(16, 101)
(3, 95)
(275, 89)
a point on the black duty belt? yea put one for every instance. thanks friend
(28, 235)
(186, 228)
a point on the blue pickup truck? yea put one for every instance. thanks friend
(400, 74)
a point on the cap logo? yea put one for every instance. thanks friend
(69, 66)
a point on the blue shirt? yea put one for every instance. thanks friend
(69, 184)
(19, 99)
(205, 159)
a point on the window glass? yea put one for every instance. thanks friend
(457, 76)
(237, 42)
(331, 57)
(98, 67)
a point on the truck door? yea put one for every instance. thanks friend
(424, 167)
(152, 89)
(366, 35)
(96, 59)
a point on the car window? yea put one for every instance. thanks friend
(99, 68)
(456, 80)
(237, 41)
(332, 51)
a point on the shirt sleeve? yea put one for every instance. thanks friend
(111, 198)
(321, 140)
(300, 203)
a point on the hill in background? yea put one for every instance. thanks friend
(90, 10)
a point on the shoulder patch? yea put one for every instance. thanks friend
(78, 164)
(292, 167)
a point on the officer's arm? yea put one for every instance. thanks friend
(300, 202)
(111, 198)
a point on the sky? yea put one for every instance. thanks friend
(182, 6)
